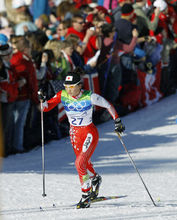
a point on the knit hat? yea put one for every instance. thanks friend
(160, 4)
(72, 78)
(127, 9)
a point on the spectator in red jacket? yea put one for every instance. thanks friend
(9, 89)
(94, 43)
(78, 29)
(24, 68)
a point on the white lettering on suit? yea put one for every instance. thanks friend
(87, 142)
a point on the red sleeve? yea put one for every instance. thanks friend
(13, 89)
(71, 30)
(127, 48)
(10, 87)
(23, 67)
(51, 103)
(90, 49)
(92, 42)
(17, 62)
(113, 112)
(108, 19)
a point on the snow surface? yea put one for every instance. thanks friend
(151, 139)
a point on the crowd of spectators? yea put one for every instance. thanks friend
(127, 49)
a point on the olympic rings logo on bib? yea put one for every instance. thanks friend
(76, 106)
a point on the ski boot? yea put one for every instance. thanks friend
(96, 182)
(85, 200)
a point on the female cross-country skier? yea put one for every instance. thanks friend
(78, 104)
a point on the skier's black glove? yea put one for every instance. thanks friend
(41, 96)
(119, 127)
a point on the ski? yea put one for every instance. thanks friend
(55, 207)
(105, 198)
(101, 199)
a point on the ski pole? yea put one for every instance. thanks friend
(133, 163)
(43, 156)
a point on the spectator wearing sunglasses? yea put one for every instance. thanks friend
(62, 30)
(77, 26)
(78, 29)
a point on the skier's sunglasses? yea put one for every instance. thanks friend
(68, 86)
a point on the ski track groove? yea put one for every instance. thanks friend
(133, 216)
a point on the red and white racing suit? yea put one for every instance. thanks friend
(83, 133)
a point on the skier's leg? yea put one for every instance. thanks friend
(88, 144)
(84, 144)
(95, 180)
(90, 168)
